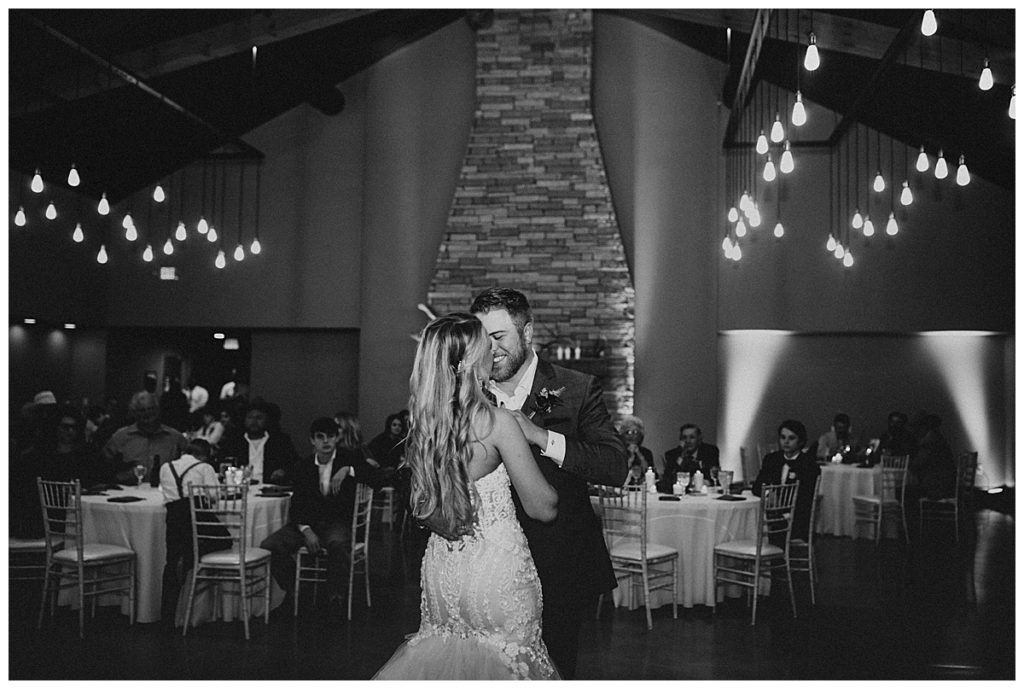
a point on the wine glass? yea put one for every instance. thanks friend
(140, 472)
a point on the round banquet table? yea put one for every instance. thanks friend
(694, 526)
(839, 483)
(141, 526)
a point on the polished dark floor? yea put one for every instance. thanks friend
(930, 610)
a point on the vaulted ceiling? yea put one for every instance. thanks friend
(130, 96)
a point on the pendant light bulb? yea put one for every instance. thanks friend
(1012, 110)
(755, 218)
(906, 196)
(941, 170)
(963, 177)
(848, 259)
(74, 180)
(786, 163)
(811, 59)
(127, 221)
(147, 255)
(19, 217)
(101, 257)
(727, 245)
(37, 182)
(51, 212)
(929, 25)
(212, 234)
(745, 203)
(220, 262)
(78, 235)
(239, 253)
(158, 194)
(255, 247)
(202, 226)
(131, 234)
(737, 252)
(769, 170)
(741, 228)
(181, 234)
(922, 161)
(831, 243)
(858, 220)
(839, 251)
(778, 133)
(733, 215)
(762, 144)
(891, 228)
(103, 208)
(985, 81)
(779, 229)
(879, 183)
(799, 116)
(869, 228)
(168, 247)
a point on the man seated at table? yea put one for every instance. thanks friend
(691, 454)
(839, 440)
(320, 512)
(143, 441)
(267, 451)
(791, 463)
(897, 439)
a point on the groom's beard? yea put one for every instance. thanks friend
(509, 366)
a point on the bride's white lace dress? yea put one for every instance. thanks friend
(481, 603)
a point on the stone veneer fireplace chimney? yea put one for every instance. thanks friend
(532, 209)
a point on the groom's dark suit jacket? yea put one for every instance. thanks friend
(570, 552)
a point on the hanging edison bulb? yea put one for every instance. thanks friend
(726, 244)
(158, 194)
(769, 170)
(906, 196)
(922, 161)
(212, 234)
(799, 116)
(1012, 110)
(37, 183)
(202, 226)
(78, 235)
(857, 221)
(755, 217)
(745, 203)
(732, 215)
(255, 247)
(779, 229)
(103, 207)
(786, 163)
(831, 243)
(131, 233)
(127, 221)
(51, 212)
(941, 171)
(762, 144)
(778, 132)
(811, 58)
(181, 234)
(929, 25)
(73, 179)
(147, 255)
(891, 228)
(839, 251)
(879, 183)
(101, 257)
(168, 247)
(239, 253)
(737, 252)
(220, 262)
(741, 228)
(19, 217)
(985, 80)
(963, 177)
(869, 227)
(848, 259)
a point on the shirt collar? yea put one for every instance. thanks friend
(333, 455)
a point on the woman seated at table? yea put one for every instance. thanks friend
(640, 458)
(792, 463)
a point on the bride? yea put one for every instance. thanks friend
(481, 602)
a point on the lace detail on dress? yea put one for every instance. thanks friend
(484, 586)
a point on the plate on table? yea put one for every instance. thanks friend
(730, 498)
(126, 498)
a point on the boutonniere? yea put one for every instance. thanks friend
(545, 400)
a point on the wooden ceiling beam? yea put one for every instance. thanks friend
(746, 79)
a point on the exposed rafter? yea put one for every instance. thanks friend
(743, 85)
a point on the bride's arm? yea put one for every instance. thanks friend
(538, 497)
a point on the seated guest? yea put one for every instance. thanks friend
(382, 446)
(840, 439)
(792, 463)
(145, 442)
(267, 452)
(320, 512)
(691, 454)
(639, 458)
(897, 439)
(932, 472)
(211, 430)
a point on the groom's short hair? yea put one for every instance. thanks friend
(511, 300)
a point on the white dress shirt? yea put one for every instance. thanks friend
(256, 455)
(555, 448)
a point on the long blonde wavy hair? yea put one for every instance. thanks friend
(453, 361)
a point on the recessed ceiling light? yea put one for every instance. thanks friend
(218, 336)
(30, 321)
(69, 326)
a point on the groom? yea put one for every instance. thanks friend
(573, 440)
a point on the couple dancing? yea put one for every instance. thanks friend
(504, 491)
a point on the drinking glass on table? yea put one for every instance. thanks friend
(140, 472)
(714, 476)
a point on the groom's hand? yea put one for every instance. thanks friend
(535, 435)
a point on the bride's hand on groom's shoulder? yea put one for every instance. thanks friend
(535, 435)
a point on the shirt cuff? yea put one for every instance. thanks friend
(555, 449)
(303, 527)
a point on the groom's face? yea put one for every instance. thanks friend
(509, 345)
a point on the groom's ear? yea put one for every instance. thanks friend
(528, 333)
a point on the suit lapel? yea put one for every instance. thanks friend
(544, 377)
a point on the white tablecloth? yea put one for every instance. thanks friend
(141, 526)
(839, 483)
(694, 526)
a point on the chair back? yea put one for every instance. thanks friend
(815, 509)
(362, 512)
(219, 518)
(778, 503)
(624, 516)
(894, 477)
(61, 503)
